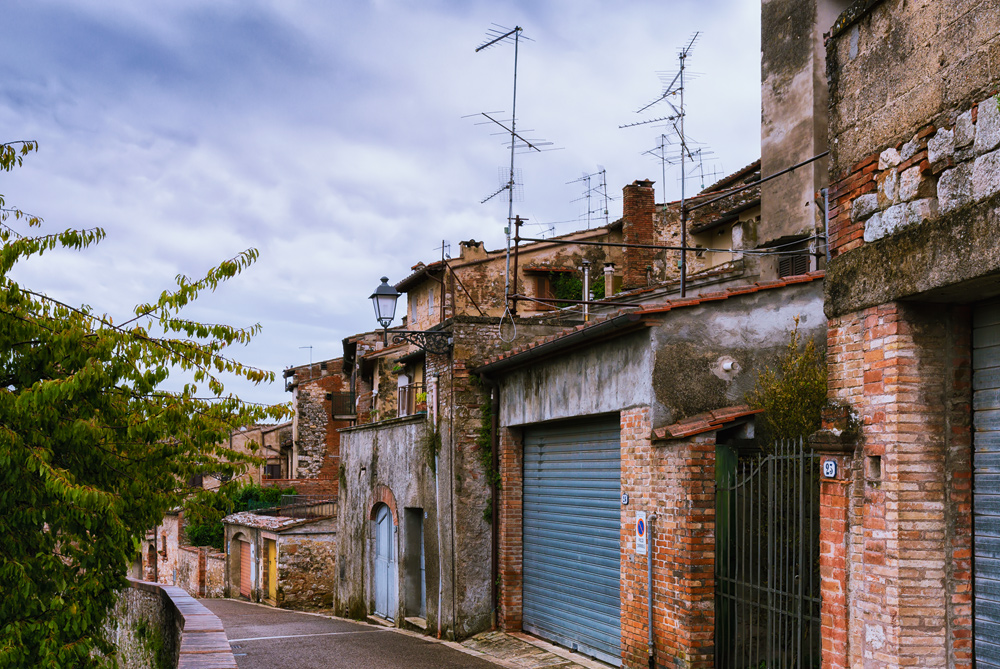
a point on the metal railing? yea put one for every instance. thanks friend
(767, 597)
(411, 399)
(297, 506)
(343, 404)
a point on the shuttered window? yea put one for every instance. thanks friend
(572, 518)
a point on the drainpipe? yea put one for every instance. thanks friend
(826, 223)
(494, 497)
(586, 290)
(649, 582)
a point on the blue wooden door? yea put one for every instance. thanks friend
(385, 564)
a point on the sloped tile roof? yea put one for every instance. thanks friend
(658, 309)
(704, 422)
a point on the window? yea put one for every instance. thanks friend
(793, 265)
(272, 471)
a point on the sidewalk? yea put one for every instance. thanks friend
(520, 651)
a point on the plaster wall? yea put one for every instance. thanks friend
(693, 345)
(387, 456)
(677, 367)
(599, 379)
(793, 116)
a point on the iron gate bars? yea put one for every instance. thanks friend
(767, 594)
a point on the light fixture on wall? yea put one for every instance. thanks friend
(384, 301)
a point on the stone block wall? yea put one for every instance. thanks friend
(215, 574)
(315, 433)
(307, 569)
(191, 570)
(157, 626)
(897, 584)
(935, 172)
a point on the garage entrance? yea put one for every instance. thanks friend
(571, 542)
(986, 482)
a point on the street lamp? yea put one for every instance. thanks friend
(384, 301)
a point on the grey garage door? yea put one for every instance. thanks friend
(986, 484)
(572, 518)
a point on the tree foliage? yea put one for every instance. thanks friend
(793, 394)
(94, 444)
(207, 508)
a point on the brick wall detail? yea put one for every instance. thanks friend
(638, 209)
(676, 481)
(905, 369)
(937, 171)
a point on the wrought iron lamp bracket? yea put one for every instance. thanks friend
(428, 340)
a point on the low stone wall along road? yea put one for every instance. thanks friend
(263, 637)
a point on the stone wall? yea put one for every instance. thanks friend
(307, 571)
(316, 439)
(215, 574)
(191, 570)
(157, 626)
(895, 66)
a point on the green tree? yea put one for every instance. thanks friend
(94, 446)
(792, 395)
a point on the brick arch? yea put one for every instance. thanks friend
(382, 495)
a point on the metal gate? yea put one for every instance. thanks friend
(986, 482)
(572, 526)
(767, 592)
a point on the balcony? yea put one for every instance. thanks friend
(411, 400)
(343, 405)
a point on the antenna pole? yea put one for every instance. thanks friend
(683, 204)
(517, 239)
(510, 181)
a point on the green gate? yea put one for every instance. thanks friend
(767, 587)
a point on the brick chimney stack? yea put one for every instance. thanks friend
(637, 228)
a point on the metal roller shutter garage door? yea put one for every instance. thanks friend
(572, 520)
(986, 482)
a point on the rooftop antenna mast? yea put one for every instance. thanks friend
(600, 190)
(675, 89)
(518, 143)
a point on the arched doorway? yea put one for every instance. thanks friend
(385, 564)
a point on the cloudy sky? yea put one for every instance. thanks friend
(332, 137)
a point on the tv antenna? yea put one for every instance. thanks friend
(518, 142)
(595, 186)
(674, 90)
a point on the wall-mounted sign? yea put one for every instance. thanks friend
(830, 469)
(640, 532)
(624, 498)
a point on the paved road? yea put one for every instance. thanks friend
(264, 638)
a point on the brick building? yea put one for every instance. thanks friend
(910, 539)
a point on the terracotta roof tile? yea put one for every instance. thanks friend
(666, 306)
(704, 422)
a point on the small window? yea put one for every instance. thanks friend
(272, 471)
(793, 265)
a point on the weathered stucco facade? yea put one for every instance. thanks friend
(915, 131)
(428, 472)
(292, 561)
(641, 372)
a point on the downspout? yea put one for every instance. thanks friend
(494, 497)
(826, 223)
(649, 582)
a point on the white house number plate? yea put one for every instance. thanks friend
(830, 469)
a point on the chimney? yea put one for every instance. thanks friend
(637, 228)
